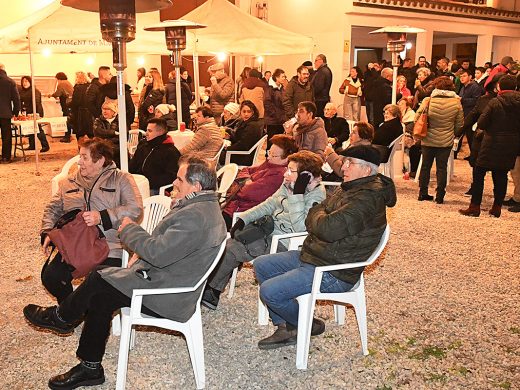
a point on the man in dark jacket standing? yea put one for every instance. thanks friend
(298, 90)
(321, 81)
(469, 94)
(177, 253)
(9, 106)
(94, 100)
(345, 228)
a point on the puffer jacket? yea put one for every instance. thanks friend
(253, 90)
(311, 137)
(177, 254)
(115, 195)
(149, 97)
(157, 160)
(501, 124)
(296, 93)
(265, 178)
(221, 94)
(348, 225)
(288, 210)
(206, 141)
(445, 117)
(106, 130)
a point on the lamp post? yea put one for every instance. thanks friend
(396, 41)
(175, 34)
(117, 22)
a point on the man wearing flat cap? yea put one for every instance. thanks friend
(221, 91)
(345, 228)
(506, 64)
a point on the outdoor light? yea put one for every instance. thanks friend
(89, 61)
(221, 57)
(396, 43)
(175, 34)
(260, 59)
(141, 61)
(117, 22)
(46, 52)
(408, 45)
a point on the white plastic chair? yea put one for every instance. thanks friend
(133, 140)
(331, 183)
(229, 173)
(255, 148)
(63, 174)
(387, 168)
(354, 297)
(217, 156)
(143, 185)
(154, 209)
(191, 329)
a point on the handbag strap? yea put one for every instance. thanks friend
(92, 190)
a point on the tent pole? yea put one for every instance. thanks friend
(176, 57)
(231, 74)
(196, 76)
(33, 92)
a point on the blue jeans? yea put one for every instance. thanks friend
(283, 277)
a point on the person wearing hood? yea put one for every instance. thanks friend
(345, 228)
(186, 97)
(25, 92)
(288, 207)
(445, 117)
(500, 146)
(207, 140)
(309, 130)
(167, 112)
(106, 192)
(107, 127)
(246, 135)
(221, 91)
(253, 89)
(156, 157)
(298, 90)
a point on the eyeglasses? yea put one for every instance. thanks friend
(347, 162)
(291, 171)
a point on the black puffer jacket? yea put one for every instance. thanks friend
(274, 112)
(151, 97)
(348, 225)
(337, 127)
(157, 160)
(245, 136)
(321, 82)
(501, 124)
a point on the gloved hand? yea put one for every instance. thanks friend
(301, 182)
(239, 225)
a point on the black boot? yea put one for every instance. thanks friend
(32, 144)
(47, 318)
(43, 141)
(84, 374)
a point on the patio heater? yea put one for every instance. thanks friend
(175, 33)
(117, 21)
(396, 41)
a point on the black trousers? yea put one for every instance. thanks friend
(7, 137)
(499, 185)
(415, 156)
(320, 106)
(41, 137)
(441, 157)
(57, 276)
(97, 300)
(469, 136)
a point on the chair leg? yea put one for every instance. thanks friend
(339, 314)
(116, 325)
(418, 172)
(232, 283)
(361, 316)
(263, 313)
(305, 314)
(124, 346)
(194, 340)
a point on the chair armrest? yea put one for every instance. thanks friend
(277, 237)
(335, 267)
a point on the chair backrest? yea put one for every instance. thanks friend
(258, 147)
(229, 173)
(255, 148)
(213, 265)
(133, 140)
(296, 242)
(142, 184)
(382, 243)
(63, 173)
(217, 156)
(155, 208)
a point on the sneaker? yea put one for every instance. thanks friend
(78, 376)
(210, 298)
(282, 337)
(47, 318)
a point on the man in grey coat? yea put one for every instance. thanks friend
(177, 253)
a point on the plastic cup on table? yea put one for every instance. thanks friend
(182, 126)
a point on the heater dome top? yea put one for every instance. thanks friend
(140, 5)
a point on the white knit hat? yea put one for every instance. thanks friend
(233, 108)
(165, 108)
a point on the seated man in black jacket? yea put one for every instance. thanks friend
(156, 157)
(345, 228)
(336, 126)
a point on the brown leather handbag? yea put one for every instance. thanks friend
(420, 127)
(84, 247)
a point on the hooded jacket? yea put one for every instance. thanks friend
(445, 117)
(273, 105)
(253, 89)
(296, 93)
(311, 137)
(348, 225)
(157, 160)
(501, 124)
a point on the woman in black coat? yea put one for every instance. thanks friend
(186, 96)
(499, 148)
(248, 132)
(80, 114)
(26, 105)
(151, 96)
(156, 157)
(336, 126)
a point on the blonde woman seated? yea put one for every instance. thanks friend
(208, 138)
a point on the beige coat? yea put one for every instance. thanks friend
(256, 95)
(206, 141)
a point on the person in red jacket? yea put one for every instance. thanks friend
(255, 184)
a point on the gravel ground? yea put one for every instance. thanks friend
(442, 303)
